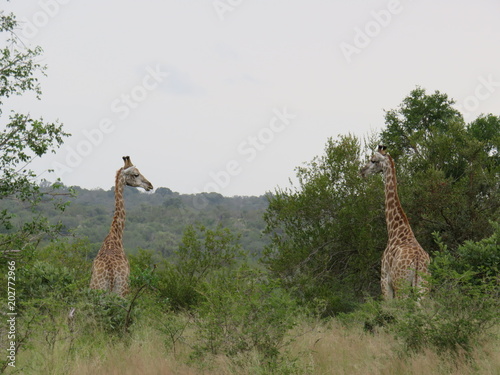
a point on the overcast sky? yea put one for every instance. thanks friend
(232, 95)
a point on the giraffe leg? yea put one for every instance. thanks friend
(118, 287)
(388, 291)
(420, 286)
(120, 284)
(386, 283)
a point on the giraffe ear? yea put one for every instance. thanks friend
(127, 161)
(382, 149)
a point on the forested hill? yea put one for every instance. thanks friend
(156, 221)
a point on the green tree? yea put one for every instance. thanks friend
(448, 170)
(411, 128)
(201, 253)
(328, 232)
(22, 138)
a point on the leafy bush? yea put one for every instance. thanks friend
(244, 311)
(44, 281)
(458, 313)
(482, 258)
(328, 231)
(201, 253)
(464, 300)
(454, 321)
(105, 312)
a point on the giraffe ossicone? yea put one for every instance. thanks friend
(110, 269)
(404, 261)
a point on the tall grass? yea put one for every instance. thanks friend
(316, 348)
(335, 349)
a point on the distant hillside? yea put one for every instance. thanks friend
(156, 220)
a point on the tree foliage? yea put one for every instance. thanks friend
(448, 170)
(411, 128)
(155, 221)
(328, 233)
(22, 138)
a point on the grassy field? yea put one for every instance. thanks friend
(238, 320)
(314, 348)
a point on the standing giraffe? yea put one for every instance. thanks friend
(404, 261)
(110, 270)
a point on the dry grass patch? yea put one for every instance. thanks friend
(317, 349)
(334, 349)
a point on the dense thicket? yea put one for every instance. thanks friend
(448, 169)
(328, 232)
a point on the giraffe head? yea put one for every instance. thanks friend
(133, 177)
(376, 163)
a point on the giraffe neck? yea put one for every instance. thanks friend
(398, 225)
(114, 240)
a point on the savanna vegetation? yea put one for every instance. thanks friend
(286, 283)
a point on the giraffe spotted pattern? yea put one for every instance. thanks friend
(110, 269)
(404, 261)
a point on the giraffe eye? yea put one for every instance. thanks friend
(136, 175)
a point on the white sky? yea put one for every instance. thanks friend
(232, 95)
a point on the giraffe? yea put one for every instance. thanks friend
(110, 270)
(403, 261)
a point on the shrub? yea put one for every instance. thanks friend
(201, 253)
(105, 311)
(458, 313)
(244, 311)
(464, 300)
